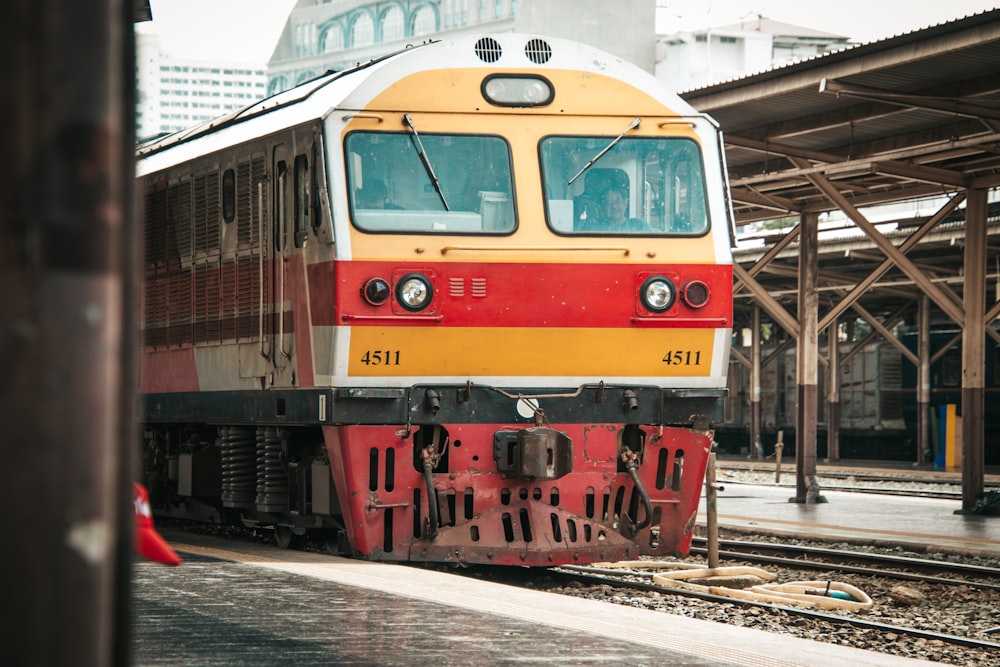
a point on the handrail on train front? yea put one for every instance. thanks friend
(472, 248)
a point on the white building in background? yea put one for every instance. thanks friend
(320, 35)
(323, 35)
(174, 94)
(688, 60)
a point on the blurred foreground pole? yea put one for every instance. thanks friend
(65, 198)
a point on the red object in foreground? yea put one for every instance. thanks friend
(149, 543)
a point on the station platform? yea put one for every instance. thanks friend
(901, 469)
(264, 606)
(920, 524)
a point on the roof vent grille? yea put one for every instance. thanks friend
(488, 50)
(538, 51)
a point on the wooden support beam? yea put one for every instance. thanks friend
(804, 169)
(883, 268)
(807, 364)
(973, 351)
(943, 350)
(833, 395)
(757, 448)
(953, 107)
(899, 168)
(993, 312)
(775, 250)
(924, 381)
(767, 302)
(992, 333)
(748, 195)
(926, 174)
(890, 322)
(740, 357)
(886, 334)
(945, 303)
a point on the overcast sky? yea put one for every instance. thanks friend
(860, 20)
(246, 30)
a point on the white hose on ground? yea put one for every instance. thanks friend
(818, 594)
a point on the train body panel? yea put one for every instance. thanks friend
(470, 302)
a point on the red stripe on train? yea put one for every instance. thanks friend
(520, 295)
(168, 370)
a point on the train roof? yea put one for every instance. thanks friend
(353, 88)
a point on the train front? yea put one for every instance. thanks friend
(532, 307)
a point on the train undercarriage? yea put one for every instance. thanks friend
(530, 494)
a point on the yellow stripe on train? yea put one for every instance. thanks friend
(514, 352)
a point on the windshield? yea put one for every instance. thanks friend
(638, 186)
(430, 183)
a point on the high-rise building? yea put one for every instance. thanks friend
(321, 35)
(174, 94)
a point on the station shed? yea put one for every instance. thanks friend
(915, 119)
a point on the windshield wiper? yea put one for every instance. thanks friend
(634, 124)
(425, 160)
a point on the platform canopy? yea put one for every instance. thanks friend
(817, 152)
(914, 117)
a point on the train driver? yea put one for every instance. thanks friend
(375, 195)
(615, 220)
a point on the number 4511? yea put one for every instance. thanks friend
(380, 358)
(682, 358)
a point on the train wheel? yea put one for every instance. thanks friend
(330, 545)
(285, 538)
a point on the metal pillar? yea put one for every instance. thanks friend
(833, 395)
(924, 446)
(973, 349)
(755, 439)
(65, 195)
(807, 363)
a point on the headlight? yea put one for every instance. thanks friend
(414, 292)
(375, 291)
(657, 293)
(517, 90)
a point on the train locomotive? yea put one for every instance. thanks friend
(395, 308)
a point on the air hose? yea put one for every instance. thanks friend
(632, 468)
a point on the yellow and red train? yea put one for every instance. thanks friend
(469, 302)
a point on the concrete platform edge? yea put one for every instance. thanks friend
(619, 622)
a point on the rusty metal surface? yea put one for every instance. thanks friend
(593, 511)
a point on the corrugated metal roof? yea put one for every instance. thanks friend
(923, 100)
(778, 29)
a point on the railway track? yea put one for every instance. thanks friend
(937, 610)
(871, 564)
(825, 623)
(943, 494)
(889, 483)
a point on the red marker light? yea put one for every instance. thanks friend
(695, 294)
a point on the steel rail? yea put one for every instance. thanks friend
(750, 552)
(910, 493)
(616, 579)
